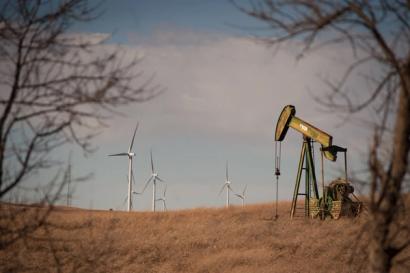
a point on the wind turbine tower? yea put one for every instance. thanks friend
(226, 185)
(130, 155)
(242, 196)
(154, 178)
(164, 206)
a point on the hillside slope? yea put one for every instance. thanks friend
(199, 240)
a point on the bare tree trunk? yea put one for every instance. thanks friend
(380, 260)
(385, 205)
(373, 40)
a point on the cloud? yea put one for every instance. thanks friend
(219, 85)
(89, 38)
(222, 100)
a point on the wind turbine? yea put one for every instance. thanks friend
(242, 196)
(164, 206)
(130, 156)
(226, 185)
(154, 177)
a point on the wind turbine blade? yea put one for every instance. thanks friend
(161, 180)
(146, 184)
(240, 196)
(132, 141)
(152, 162)
(230, 188)
(223, 187)
(226, 169)
(244, 190)
(125, 200)
(133, 178)
(165, 190)
(120, 154)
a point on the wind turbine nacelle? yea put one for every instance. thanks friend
(131, 154)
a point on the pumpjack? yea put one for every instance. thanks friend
(336, 197)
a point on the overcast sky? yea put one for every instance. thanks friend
(224, 92)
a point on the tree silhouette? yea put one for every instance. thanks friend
(56, 87)
(378, 33)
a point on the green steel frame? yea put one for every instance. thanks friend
(310, 134)
(306, 163)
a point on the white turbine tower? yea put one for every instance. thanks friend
(154, 178)
(164, 206)
(130, 156)
(242, 196)
(226, 185)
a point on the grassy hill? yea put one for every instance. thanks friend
(199, 240)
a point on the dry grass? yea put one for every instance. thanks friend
(198, 240)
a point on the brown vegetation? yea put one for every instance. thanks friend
(199, 240)
(378, 35)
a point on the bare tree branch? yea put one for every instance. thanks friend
(57, 87)
(378, 33)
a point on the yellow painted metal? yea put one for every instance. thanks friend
(311, 131)
(282, 125)
(288, 119)
(314, 133)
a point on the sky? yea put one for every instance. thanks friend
(223, 94)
